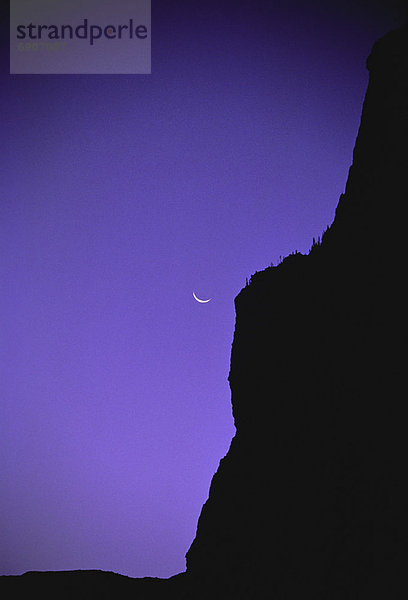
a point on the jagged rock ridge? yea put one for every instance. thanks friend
(311, 499)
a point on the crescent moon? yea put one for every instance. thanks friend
(201, 301)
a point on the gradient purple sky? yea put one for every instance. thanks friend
(121, 195)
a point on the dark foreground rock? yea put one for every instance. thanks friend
(311, 500)
(88, 585)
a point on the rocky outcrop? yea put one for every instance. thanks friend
(88, 585)
(311, 500)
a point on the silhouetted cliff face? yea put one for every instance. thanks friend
(311, 500)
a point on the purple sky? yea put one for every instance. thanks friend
(121, 195)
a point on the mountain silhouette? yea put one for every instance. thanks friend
(311, 500)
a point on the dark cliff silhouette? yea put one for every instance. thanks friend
(311, 500)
